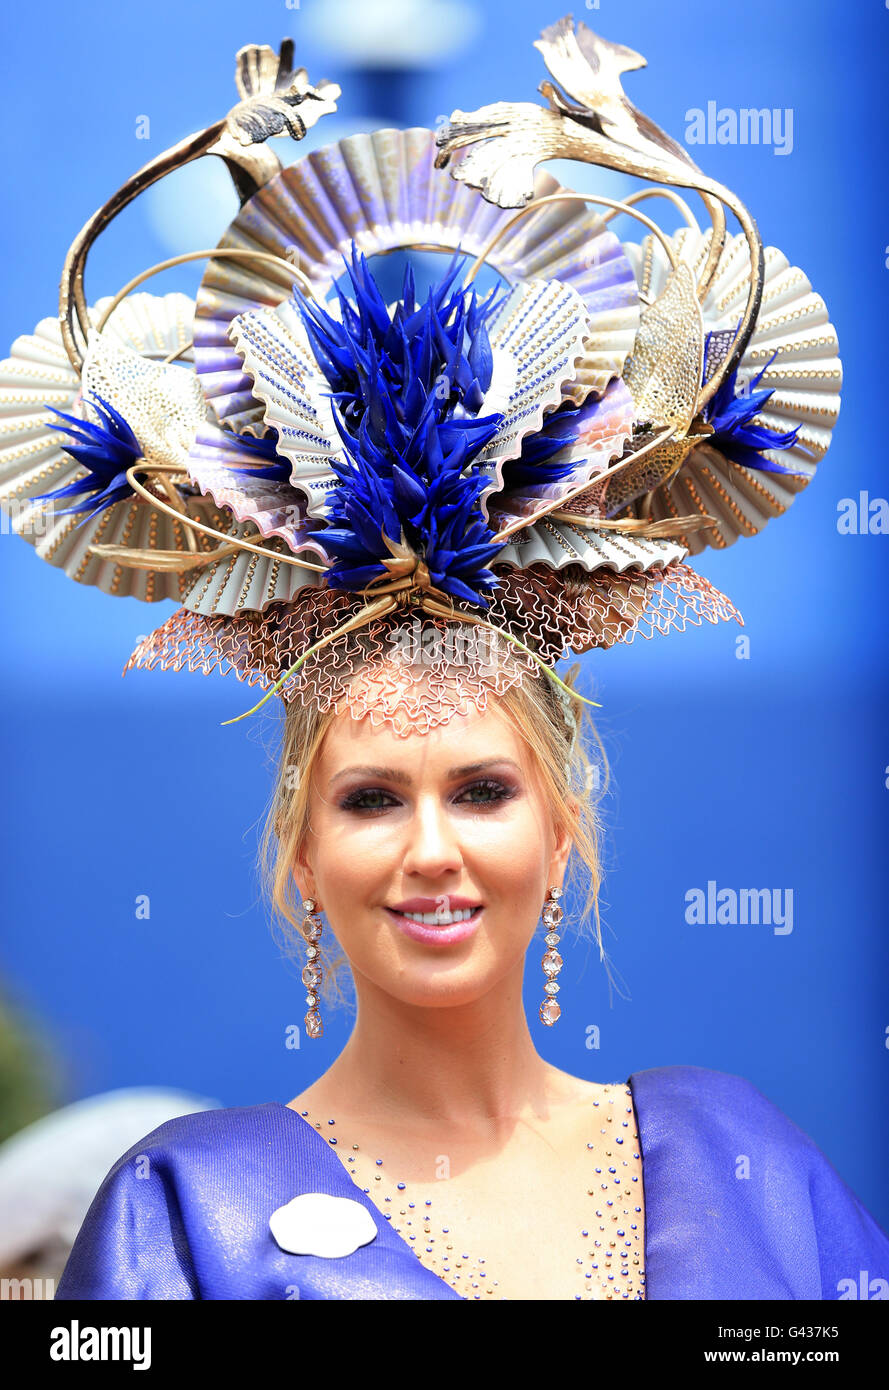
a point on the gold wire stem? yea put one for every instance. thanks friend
(669, 526)
(521, 522)
(72, 299)
(169, 488)
(229, 252)
(364, 616)
(717, 221)
(570, 198)
(164, 561)
(439, 610)
(395, 586)
(704, 187)
(171, 356)
(754, 294)
(717, 242)
(206, 530)
(669, 193)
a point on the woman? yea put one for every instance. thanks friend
(487, 1172)
(485, 484)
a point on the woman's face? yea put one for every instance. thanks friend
(434, 824)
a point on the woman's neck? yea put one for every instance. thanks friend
(467, 1064)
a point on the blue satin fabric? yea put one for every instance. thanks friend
(184, 1214)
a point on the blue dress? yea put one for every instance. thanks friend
(185, 1213)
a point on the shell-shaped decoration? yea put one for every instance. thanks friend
(602, 430)
(383, 192)
(242, 581)
(806, 376)
(537, 335)
(560, 543)
(599, 363)
(317, 1224)
(275, 507)
(38, 375)
(294, 397)
(163, 404)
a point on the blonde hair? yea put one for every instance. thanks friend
(566, 774)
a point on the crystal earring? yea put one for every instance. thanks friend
(552, 961)
(311, 929)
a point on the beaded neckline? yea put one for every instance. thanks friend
(612, 1236)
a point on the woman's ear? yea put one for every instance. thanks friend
(303, 876)
(564, 841)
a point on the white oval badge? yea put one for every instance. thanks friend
(317, 1224)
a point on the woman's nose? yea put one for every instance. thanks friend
(433, 845)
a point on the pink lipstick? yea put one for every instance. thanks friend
(442, 930)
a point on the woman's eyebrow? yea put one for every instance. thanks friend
(392, 774)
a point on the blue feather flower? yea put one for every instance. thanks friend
(106, 450)
(559, 430)
(265, 451)
(408, 390)
(735, 435)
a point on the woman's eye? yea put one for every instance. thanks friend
(369, 799)
(490, 792)
(485, 793)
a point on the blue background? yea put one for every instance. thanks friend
(765, 772)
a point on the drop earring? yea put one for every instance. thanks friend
(311, 977)
(552, 961)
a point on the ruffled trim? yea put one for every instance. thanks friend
(413, 671)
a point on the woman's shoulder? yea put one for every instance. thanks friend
(189, 1144)
(190, 1157)
(149, 1232)
(738, 1197)
(698, 1108)
(701, 1095)
(683, 1079)
(231, 1123)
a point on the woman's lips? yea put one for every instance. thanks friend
(431, 934)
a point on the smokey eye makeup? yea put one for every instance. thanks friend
(482, 793)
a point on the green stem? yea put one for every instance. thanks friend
(366, 615)
(548, 669)
(269, 693)
(373, 610)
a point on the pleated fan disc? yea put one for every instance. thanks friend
(806, 376)
(382, 191)
(276, 508)
(537, 337)
(245, 581)
(561, 543)
(38, 374)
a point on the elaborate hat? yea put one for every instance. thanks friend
(451, 490)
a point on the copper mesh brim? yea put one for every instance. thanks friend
(417, 670)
